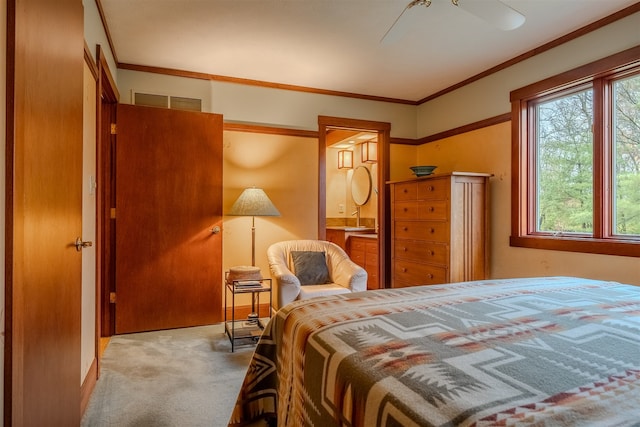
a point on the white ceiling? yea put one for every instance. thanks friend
(335, 44)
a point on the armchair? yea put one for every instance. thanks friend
(344, 275)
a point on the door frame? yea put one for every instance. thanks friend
(384, 135)
(107, 100)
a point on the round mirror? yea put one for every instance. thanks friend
(361, 185)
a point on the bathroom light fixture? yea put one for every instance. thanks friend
(369, 151)
(345, 159)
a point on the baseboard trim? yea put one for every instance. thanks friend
(88, 385)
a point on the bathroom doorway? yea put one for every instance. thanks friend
(332, 130)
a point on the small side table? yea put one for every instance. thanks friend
(252, 327)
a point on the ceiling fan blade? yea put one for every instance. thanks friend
(397, 29)
(494, 12)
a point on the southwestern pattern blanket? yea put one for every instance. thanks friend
(538, 351)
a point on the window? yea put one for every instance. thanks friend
(626, 158)
(576, 159)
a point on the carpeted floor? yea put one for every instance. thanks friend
(180, 377)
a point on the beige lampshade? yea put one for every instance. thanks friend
(253, 202)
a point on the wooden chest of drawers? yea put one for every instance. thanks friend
(439, 229)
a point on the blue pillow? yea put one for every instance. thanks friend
(310, 267)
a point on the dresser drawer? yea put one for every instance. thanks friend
(437, 231)
(432, 210)
(372, 280)
(406, 210)
(356, 244)
(405, 191)
(415, 250)
(357, 257)
(415, 274)
(371, 247)
(428, 209)
(371, 260)
(433, 189)
(371, 264)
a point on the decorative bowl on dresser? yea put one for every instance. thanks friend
(422, 170)
(439, 229)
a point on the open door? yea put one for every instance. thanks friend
(45, 48)
(168, 219)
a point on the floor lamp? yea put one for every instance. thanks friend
(253, 202)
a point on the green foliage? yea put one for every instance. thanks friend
(565, 164)
(626, 122)
(565, 161)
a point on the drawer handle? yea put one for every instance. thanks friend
(431, 209)
(405, 228)
(430, 188)
(405, 209)
(404, 248)
(432, 253)
(404, 190)
(433, 230)
(429, 276)
(404, 270)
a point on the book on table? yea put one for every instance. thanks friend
(248, 284)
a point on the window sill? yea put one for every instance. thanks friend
(576, 244)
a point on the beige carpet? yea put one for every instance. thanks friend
(180, 377)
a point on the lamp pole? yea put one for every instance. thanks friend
(253, 240)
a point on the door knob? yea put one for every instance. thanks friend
(215, 230)
(80, 244)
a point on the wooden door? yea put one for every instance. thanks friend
(44, 212)
(168, 198)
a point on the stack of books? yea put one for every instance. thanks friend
(247, 284)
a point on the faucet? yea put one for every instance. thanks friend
(357, 212)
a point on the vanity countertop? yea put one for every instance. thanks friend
(366, 235)
(352, 229)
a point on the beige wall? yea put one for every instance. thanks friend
(286, 168)
(489, 150)
(94, 34)
(489, 96)
(402, 157)
(337, 180)
(339, 188)
(88, 309)
(267, 106)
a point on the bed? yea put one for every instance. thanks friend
(534, 351)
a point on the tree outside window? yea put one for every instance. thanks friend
(565, 164)
(626, 143)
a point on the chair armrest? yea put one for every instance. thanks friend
(287, 285)
(350, 275)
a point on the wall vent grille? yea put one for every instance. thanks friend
(167, 101)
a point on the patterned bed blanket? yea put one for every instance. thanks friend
(538, 351)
